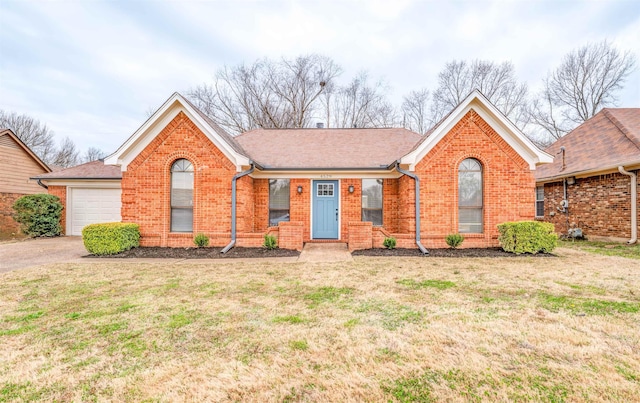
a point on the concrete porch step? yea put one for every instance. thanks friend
(325, 252)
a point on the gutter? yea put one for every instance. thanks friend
(634, 204)
(417, 180)
(233, 207)
(42, 184)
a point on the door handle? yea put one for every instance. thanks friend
(336, 214)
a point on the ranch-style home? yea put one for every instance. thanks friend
(180, 174)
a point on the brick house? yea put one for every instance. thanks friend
(183, 175)
(595, 173)
(17, 164)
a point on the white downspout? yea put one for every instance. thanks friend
(634, 204)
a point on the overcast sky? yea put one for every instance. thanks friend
(92, 70)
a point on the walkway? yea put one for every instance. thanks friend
(325, 252)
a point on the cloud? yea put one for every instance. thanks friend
(91, 70)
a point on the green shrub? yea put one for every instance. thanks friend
(389, 243)
(270, 242)
(110, 238)
(39, 214)
(454, 240)
(201, 240)
(527, 237)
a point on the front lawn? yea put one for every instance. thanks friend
(375, 329)
(605, 248)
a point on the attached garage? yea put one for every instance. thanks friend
(89, 206)
(90, 194)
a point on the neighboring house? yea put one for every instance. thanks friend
(183, 175)
(17, 164)
(592, 183)
(90, 194)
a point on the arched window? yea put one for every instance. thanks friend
(470, 196)
(182, 196)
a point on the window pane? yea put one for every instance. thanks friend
(181, 189)
(375, 216)
(470, 196)
(539, 193)
(372, 201)
(278, 201)
(470, 220)
(470, 189)
(540, 209)
(181, 220)
(182, 196)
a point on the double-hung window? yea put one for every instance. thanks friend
(182, 196)
(372, 201)
(539, 201)
(278, 201)
(470, 196)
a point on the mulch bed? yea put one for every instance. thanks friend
(201, 253)
(467, 252)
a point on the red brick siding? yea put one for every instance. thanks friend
(508, 184)
(290, 235)
(146, 187)
(300, 205)
(599, 205)
(360, 235)
(61, 192)
(8, 225)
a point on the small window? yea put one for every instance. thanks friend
(540, 201)
(470, 196)
(182, 196)
(325, 190)
(372, 201)
(278, 201)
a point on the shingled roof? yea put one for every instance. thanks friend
(609, 139)
(327, 148)
(89, 170)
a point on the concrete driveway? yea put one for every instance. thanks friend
(34, 252)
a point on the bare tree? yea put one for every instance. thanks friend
(360, 104)
(496, 81)
(586, 81)
(34, 134)
(66, 155)
(267, 93)
(415, 111)
(93, 154)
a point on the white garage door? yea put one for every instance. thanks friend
(91, 206)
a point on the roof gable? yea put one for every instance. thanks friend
(609, 139)
(496, 119)
(161, 118)
(15, 139)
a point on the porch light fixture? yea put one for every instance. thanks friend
(571, 180)
(351, 188)
(299, 189)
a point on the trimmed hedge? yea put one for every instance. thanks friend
(527, 237)
(39, 214)
(110, 238)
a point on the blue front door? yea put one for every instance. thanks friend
(325, 210)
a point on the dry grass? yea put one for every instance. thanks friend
(405, 329)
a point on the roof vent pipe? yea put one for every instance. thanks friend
(417, 180)
(634, 204)
(319, 125)
(233, 207)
